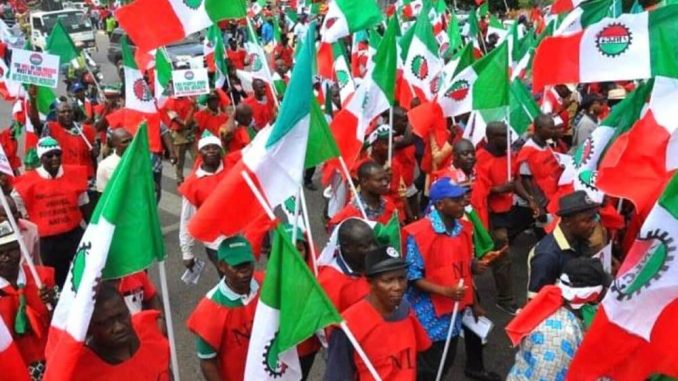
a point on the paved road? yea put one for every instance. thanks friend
(498, 355)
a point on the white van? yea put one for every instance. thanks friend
(77, 23)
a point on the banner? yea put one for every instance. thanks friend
(190, 82)
(34, 68)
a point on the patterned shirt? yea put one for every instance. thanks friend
(546, 353)
(372, 213)
(436, 326)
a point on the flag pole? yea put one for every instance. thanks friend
(258, 195)
(508, 150)
(390, 137)
(455, 311)
(350, 183)
(360, 351)
(22, 244)
(307, 222)
(295, 223)
(168, 319)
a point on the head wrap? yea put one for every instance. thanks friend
(208, 139)
(47, 144)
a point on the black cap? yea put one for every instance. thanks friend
(586, 272)
(575, 202)
(383, 259)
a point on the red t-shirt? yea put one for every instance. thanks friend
(237, 58)
(262, 113)
(284, 53)
(206, 120)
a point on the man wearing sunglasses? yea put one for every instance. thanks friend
(52, 197)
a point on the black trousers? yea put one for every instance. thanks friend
(57, 251)
(428, 361)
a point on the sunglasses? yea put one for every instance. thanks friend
(52, 154)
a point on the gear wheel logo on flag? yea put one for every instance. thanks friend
(436, 83)
(193, 4)
(256, 62)
(419, 67)
(273, 367)
(329, 23)
(342, 78)
(584, 153)
(656, 250)
(459, 90)
(141, 91)
(613, 40)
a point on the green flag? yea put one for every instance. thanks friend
(389, 234)
(126, 216)
(454, 34)
(321, 144)
(292, 307)
(522, 107)
(484, 9)
(60, 44)
(482, 241)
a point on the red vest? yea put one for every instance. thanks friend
(73, 147)
(446, 260)
(391, 346)
(227, 330)
(239, 139)
(151, 361)
(261, 113)
(31, 344)
(343, 290)
(196, 190)
(544, 167)
(53, 203)
(492, 171)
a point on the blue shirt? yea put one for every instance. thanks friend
(436, 326)
(267, 32)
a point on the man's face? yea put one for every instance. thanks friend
(123, 143)
(399, 123)
(465, 157)
(389, 288)
(51, 160)
(380, 147)
(451, 207)
(244, 117)
(377, 182)
(280, 67)
(233, 44)
(498, 139)
(211, 154)
(111, 324)
(10, 257)
(582, 225)
(65, 114)
(238, 277)
(562, 91)
(596, 107)
(259, 88)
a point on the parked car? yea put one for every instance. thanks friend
(181, 53)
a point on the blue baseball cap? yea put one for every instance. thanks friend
(444, 187)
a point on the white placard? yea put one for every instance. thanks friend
(34, 68)
(190, 82)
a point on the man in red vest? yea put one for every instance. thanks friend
(52, 196)
(505, 218)
(382, 323)
(77, 141)
(539, 168)
(343, 278)
(211, 118)
(23, 307)
(261, 102)
(439, 255)
(223, 319)
(120, 346)
(195, 190)
(374, 186)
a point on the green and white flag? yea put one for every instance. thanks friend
(522, 107)
(496, 27)
(258, 62)
(423, 63)
(60, 43)
(349, 16)
(481, 86)
(216, 41)
(163, 76)
(342, 71)
(292, 307)
(122, 238)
